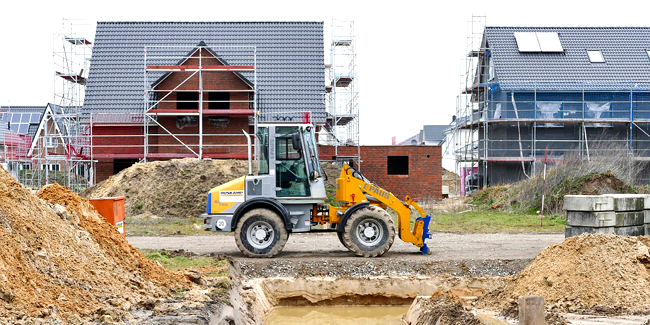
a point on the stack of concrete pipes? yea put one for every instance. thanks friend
(622, 214)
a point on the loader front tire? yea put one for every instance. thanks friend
(369, 232)
(260, 233)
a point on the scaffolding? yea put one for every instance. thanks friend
(342, 90)
(58, 149)
(465, 136)
(506, 135)
(182, 88)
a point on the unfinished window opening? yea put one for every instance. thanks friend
(398, 165)
(51, 167)
(187, 100)
(122, 164)
(595, 56)
(219, 100)
(490, 69)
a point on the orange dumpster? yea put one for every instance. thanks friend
(111, 208)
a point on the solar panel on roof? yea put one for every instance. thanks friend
(549, 42)
(527, 42)
(22, 129)
(34, 118)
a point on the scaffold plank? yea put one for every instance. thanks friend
(168, 68)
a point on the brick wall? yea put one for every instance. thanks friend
(112, 139)
(424, 179)
(214, 137)
(103, 170)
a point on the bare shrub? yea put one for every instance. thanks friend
(608, 169)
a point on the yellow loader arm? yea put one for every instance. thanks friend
(351, 189)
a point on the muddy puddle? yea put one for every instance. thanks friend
(344, 315)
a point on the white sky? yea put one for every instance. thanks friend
(410, 53)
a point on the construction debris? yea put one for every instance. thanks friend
(60, 260)
(441, 308)
(590, 273)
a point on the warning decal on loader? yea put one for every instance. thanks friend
(231, 196)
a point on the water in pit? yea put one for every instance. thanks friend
(343, 315)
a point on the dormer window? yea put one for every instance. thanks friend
(595, 56)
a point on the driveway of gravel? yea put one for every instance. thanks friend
(445, 246)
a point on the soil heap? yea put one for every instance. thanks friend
(177, 187)
(60, 259)
(172, 188)
(589, 273)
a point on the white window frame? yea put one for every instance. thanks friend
(51, 141)
(51, 167)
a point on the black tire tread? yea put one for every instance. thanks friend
(272, 217)
(377, 213)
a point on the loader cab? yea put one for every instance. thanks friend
(289, 156)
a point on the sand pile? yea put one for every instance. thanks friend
(177, 187)
(589, 273)
(173, 188)
(69, 264)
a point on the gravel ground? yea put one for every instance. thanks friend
(445, 246)
(323, 255)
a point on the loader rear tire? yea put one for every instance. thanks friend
(340, 235)
(260, 233)
(369, 232)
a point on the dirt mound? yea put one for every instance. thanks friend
(178, 187)
(173, 188)
(444, 309)
(590, 273)
(69, 264)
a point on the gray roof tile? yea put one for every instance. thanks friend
(290, 61)
(627, 63)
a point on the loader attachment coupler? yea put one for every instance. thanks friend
(425, 234)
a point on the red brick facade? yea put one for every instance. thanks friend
(424, 178)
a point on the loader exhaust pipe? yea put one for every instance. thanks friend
(250, 162)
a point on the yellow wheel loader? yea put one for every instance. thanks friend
(288, 196)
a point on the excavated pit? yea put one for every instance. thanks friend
(262, 299)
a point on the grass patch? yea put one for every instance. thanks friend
(144, 226)
(177, 262)
(495, 222)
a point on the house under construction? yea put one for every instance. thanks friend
(544, 94)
